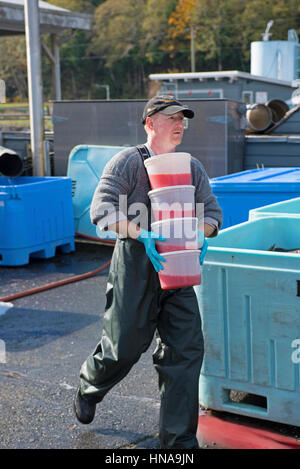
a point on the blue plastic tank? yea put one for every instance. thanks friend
(287, 208)
(36, 217)
(275, 59)
(249, 301)
(85, 167)
(240, 192)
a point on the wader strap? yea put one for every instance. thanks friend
(143, 151)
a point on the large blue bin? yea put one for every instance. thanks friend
(250, 307)
(288, 208)
(85, 167)
(240, 192)
(36, 217)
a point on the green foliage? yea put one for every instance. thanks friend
(13, 66)
(117, 29)
(132, 38)
(256, 15)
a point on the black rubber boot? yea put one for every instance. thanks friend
(84, 410)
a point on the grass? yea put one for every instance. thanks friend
(15, 116)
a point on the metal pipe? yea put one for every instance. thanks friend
(11, 164)
(35, 87)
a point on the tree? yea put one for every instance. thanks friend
(178, 37)
(116, 38)
(117, 29)
(182, 18)
(78, 67)
(133, 38)
(216, 27)
(155, 27)
(256, 15)
(13, 66)
(219, 30)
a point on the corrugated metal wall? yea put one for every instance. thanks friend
(215, 136)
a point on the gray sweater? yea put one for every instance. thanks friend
(122, 192)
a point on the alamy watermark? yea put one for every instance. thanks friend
(141, 214)
(295, 356)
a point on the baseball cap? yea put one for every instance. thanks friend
(166, 105)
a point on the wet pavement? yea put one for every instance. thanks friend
(47, 336)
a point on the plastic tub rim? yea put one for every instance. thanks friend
(170, 188)
(187, 156)
(183, 251)
(259, 252)
(159, 222)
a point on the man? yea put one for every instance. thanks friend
(137, 308)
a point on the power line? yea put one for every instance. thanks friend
(181, 51)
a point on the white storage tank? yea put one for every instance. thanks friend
(276, 59)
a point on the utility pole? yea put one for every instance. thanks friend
(192, 49)
(35, 87)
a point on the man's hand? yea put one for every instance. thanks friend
(200, 239)
(148, 238)
(208, 230)
(203, 251)
(202, 244)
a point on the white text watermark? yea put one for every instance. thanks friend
(295, 357)
(142, 215)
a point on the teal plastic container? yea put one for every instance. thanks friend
(289, 208)
(85, 167)
(36, 217)
(238, 193)
(249, 301)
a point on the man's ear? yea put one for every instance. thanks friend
(149, 123)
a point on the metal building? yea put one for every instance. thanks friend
(234, 85)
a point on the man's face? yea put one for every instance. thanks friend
(168, 128)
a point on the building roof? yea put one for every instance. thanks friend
(42, 4)
(53, 19)
(232, 75)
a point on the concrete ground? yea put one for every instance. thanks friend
(48, 335)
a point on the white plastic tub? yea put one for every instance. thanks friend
(181, 269)
(179, 234)
(173, 202)
(169, 169)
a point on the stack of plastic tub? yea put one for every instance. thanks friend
(173, 206)
(250, 302)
